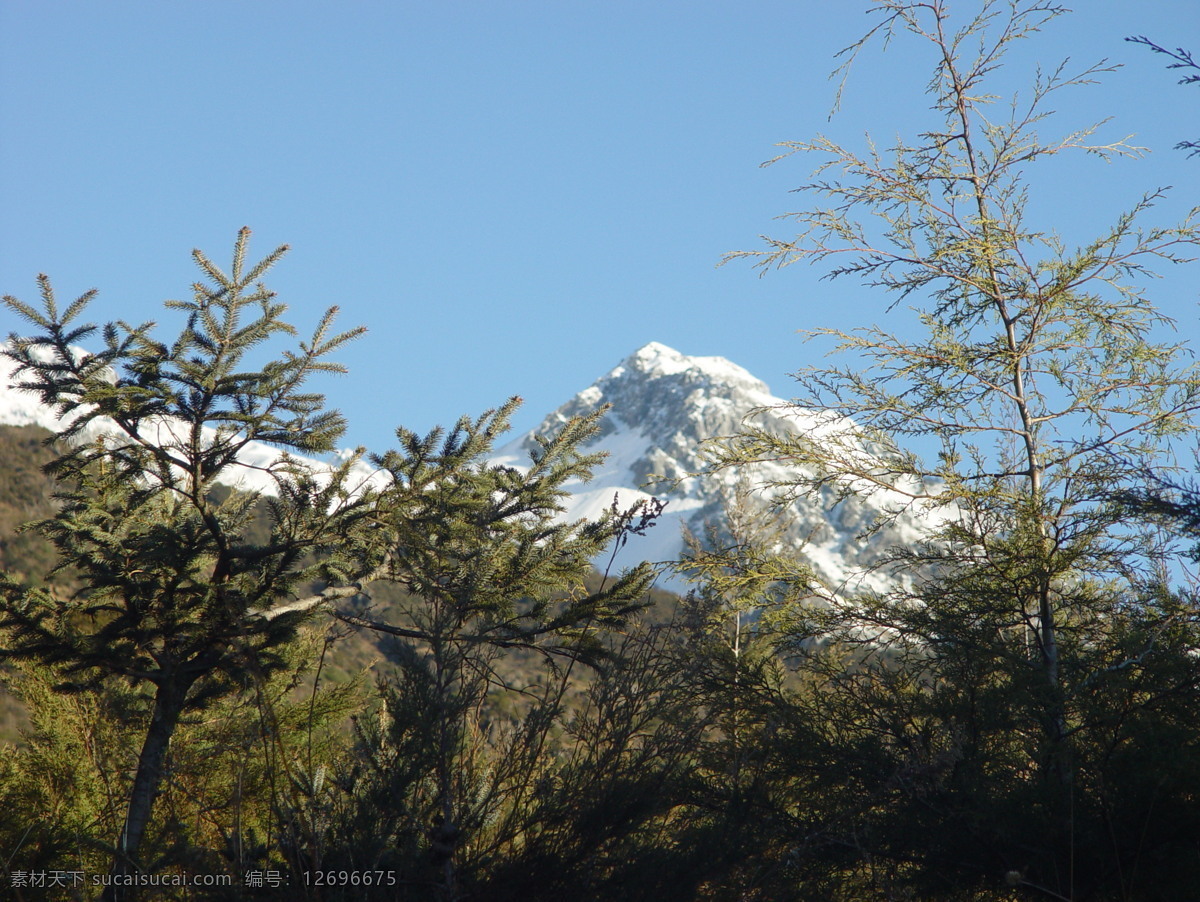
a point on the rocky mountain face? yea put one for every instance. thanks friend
(665, 405)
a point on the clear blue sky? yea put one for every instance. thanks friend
(512, 196)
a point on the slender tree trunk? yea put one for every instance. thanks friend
(1047, 629)
(1059, 763)
(444, 838)
(168, 705)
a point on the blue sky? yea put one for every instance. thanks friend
(512, 196)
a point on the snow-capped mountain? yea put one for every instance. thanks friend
(664, 406)
(23, 408)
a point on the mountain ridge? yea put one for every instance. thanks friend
(664, 406)
(20, 407)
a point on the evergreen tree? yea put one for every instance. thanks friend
(978, 706)
(485, 570)
(176, 598)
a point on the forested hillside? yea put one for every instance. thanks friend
(400, 677)
(26, 494)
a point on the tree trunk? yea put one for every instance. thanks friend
(168, 705)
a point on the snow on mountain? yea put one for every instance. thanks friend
(255, 462)
(664, 406)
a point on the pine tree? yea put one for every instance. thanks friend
(481, 567)
(177, 598)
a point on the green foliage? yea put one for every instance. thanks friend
(190, 595)
(576, 792)
(611, 800)
(180, 633)
(976, 712)
(26, 493)
(67, 781)
(476, 547)
(486, 568)
(233, 784)
(175, 596)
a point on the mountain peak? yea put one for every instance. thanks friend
(664, 406)
(656, 356)
(655, 359)
(666, 396)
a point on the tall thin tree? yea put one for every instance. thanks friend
(1033, 390)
